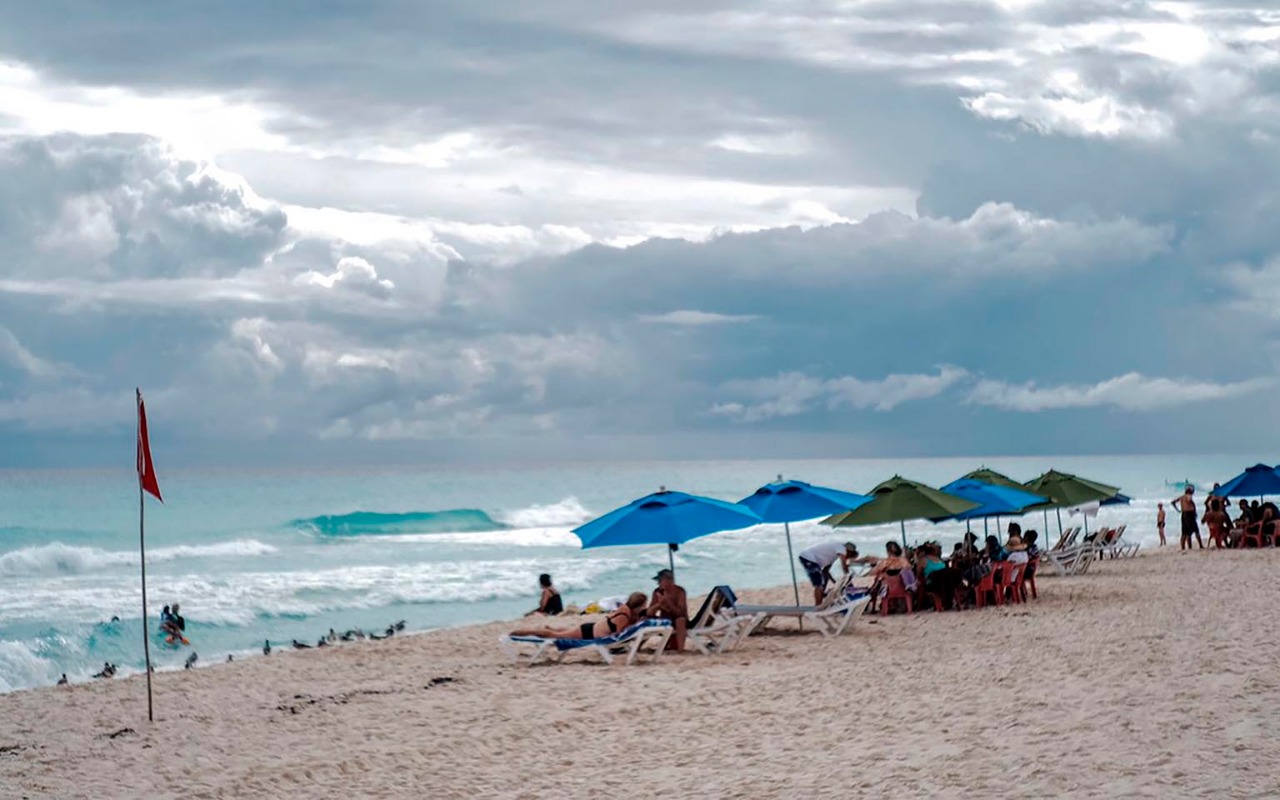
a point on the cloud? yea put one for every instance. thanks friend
(694, 318)
(791, 394)
(1129, 392)
(124, 207)
(352, 274)
(541, 228)
(15, 355)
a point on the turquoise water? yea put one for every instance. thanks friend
(262, 554)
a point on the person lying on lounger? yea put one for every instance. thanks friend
(617, 620)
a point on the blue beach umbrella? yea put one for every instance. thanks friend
(670, 518)
(993, 500)
(1256, 481)
(793, 501)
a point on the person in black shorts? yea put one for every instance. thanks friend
(1186, 505)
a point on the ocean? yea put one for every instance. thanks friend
(260, 554)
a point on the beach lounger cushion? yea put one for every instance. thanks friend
(535, 649)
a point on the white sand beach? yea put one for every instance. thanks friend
(1152, 677)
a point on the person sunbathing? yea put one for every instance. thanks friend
(617, 620)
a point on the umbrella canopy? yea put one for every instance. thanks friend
(1256, 481)
(1118, 500)
(1064, 490)
(992, 478)
(900, 499)
(670, 518)
(792, 501)
(993, 500)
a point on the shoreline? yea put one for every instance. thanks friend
(1119, 682)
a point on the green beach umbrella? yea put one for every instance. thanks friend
(994, 478)
(1065, 490)
(898, 500)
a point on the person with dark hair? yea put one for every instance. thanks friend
(1186, 505)
(1030, 539)
(894, 564)
(550, 602)
(935, 576)
(1217, 521)
(994, 551)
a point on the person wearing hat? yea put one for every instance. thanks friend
(669, 601)
(817, 561)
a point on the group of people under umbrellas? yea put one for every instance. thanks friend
(673, 518)
(1256, 517)
(952, 577)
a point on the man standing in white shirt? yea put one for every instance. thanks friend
(817, 561)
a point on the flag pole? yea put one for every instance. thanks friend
(142, 549)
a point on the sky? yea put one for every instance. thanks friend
(391, 230)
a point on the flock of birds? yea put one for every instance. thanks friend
(331, 638)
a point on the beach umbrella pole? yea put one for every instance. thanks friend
(1059, 513)
(795, 584)
(671, 559)
(902, 524)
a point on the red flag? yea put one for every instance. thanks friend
(146, 470)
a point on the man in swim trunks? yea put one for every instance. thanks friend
(1186, 504)
(1160, 523)
(817, 561)
(669, 601)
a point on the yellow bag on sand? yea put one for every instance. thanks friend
(592, 608)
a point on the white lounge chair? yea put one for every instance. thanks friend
(831, 618)
(1120, 548)
(1067, 540)
(1074, 560)
(714, 629)
(532, 650)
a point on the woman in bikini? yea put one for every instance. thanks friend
(617, 620)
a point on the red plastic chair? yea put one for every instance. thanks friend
(1029, 577)
(1012, 586)
(987, 586)
(895, 589)
(1252, 536)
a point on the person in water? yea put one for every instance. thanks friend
(171, 622)
(617, 620)
(550, 602)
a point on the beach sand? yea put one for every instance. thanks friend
(1153, 677)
